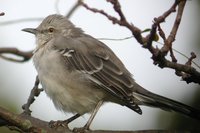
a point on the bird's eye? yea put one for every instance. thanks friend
(51, 30)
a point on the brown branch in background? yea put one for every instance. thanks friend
(161, 32)
(162, 18)
(172, 55)
(14, 51)
(189, 77)
(135, 31)
(162, 35)
(188, 73)
(34, 92)
(117, 8)
(150, 39)
(157, 22)
(171, 38)
(113, 19)
(158, 55)
(193, 56)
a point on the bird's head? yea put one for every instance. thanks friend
(52, 26)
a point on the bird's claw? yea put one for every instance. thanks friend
(81, 130)
(56, 124)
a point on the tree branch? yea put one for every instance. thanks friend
(34, 92)
(172, 36)
(28, 124)
(158, 55)
(14, 51)
(135, 31)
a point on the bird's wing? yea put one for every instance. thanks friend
(97, 60)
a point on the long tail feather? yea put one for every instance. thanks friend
(150, 99)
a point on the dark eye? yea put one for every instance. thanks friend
(51, 30)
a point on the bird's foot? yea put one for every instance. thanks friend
(56, 124)
(81, 129)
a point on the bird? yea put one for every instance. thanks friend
(79, 73)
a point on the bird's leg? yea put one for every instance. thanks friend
(72, 118)
(87, 125)
(55, 124)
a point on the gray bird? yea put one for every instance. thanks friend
(79, 73)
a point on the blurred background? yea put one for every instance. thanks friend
(17, 79)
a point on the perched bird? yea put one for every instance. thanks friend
(79, 73)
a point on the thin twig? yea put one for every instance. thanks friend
(117, 8)
(172, 55)
(182, 55)
(151, 39)
(171, 38)
(161, 32)
(156, 24)
(135, 31)
(193, 56)
(34, 92)
(162, 17)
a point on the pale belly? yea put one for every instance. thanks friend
(69, 91)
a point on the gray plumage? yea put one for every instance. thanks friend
(77, 71)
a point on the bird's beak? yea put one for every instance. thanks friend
(30, 30)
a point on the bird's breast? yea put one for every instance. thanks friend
(69, 90)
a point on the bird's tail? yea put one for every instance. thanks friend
(150, 99)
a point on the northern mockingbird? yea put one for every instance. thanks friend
(79, 73)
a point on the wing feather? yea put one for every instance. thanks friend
(100, 65)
